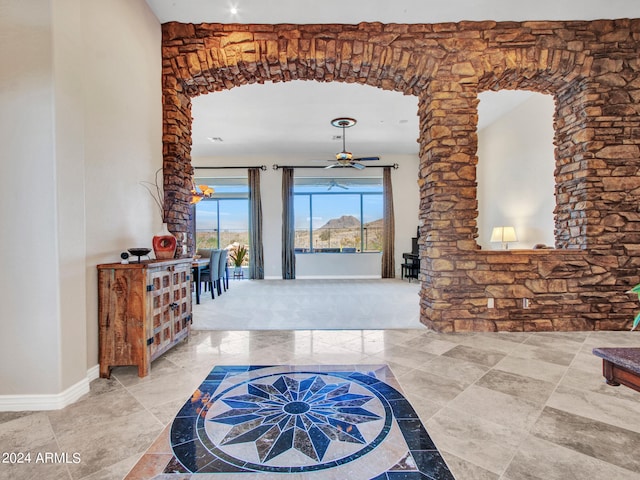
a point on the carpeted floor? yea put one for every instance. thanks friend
(310, 305)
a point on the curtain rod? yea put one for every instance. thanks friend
(261, 167)
(395, 166)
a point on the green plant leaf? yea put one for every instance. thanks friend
(238, 255)
(636, 321)
(635, 289)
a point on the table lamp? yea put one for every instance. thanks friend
(504, 235)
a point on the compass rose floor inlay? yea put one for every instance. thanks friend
(324, 422)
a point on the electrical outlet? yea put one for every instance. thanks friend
(525, 303)
(490, 303)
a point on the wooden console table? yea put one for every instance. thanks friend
(620, 366)
(144, 309)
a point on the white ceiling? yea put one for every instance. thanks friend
(292, 119)
(387, 11)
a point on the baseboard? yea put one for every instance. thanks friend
(267, 277)
(93, 373)
(338, 277)
(330, 277)
(18, 403)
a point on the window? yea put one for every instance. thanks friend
(223, 219)
(338, 215)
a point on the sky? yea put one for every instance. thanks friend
(327, 204)
(234, 215)
(327, 207)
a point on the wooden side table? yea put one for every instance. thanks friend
(620, 366)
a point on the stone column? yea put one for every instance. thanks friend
(448, 205)
(597, 165)
(177, 159)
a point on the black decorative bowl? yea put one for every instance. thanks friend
(139, 252)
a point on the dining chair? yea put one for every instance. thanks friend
(204, 253)
(212, 277)
(223, 271)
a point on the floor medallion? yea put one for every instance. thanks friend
(302, 422)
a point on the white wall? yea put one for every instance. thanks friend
(405, 197)
(122, 94)
(80, 124)
(70, 195)
(30, 326)
(345, 265)
(516, 185)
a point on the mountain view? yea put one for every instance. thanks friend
(338, 234)
(345, 221)
(342, 233)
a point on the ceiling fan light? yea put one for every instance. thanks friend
(206, 190)
(344, 158)
(199, 192)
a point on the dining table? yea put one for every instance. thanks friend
(197, 266)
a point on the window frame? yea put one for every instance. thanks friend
(311, 249)
(217, 197)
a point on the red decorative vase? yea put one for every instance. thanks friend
(164, 244)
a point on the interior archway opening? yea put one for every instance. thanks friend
(515, 173)
(289, 123)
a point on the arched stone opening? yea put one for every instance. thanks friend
(200, 59)
(591, 68)
(572, 96)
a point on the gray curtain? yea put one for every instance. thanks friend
(288, 226)
(191, 242)
(256, 255)
(388, 227)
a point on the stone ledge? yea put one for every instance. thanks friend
(537, 251)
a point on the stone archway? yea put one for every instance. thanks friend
(591, 68)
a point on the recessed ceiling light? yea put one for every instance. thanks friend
(233, 10)
(215, 139)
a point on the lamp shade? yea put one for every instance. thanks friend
(503, 234)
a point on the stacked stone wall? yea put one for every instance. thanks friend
(591, 69)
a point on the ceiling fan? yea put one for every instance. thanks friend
(344, 158)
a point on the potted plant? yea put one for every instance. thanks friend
(636, 320)
(238, 255)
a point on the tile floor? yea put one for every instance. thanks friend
(304, 422)
(505, 406)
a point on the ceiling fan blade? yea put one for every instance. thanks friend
(367, 159)
(332, 165)
(334, 183)
(357, 165)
